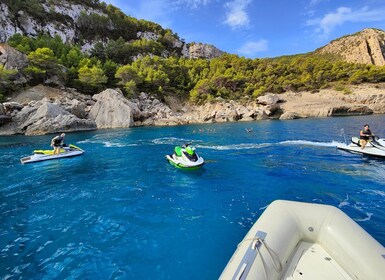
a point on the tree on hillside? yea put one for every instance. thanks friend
(43, 63)
(92, 78)
(6, 84)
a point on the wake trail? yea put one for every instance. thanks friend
(248, 146)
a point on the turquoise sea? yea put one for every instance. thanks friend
(121, 211)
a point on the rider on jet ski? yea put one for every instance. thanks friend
(365, 135)
(189, 152)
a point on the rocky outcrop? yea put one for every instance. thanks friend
(4, 118)
(269, 99)
(365, 47)
(11, 58)
(51, 118)
(199, 50)
(25, 24)
(150, 111)
(289, 116)
(111, 110)
(364, 100)
(42, 110)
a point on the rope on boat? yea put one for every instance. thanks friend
(257, 242)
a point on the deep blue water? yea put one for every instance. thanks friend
(120, 211)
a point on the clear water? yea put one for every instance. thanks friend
(121, 211)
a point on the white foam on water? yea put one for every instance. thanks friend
(235, 146)
(246, 146)
(345, 202)
(172, 141)
(86, 141)
(310, 143)
(107, 144)
(368, 217)
(375, 192)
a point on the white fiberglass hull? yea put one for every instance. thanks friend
(43, 157)
(368, 150)
(182, 162)
(294, 240)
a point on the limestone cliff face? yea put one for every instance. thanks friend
(366, 47)
(23, 23)
(203, 51)
(65, 18)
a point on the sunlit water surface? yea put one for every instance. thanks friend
(121, 211)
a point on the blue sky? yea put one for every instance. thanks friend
(259, 28)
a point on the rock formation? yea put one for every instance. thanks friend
(366, 47)
(42, 110)
(204, 51)
(51, 118)
(111, 110)
(64, 20)
(11, 58)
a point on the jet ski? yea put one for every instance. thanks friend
(374, 147)
(41, 155)
(185, 157)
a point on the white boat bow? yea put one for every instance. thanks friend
(294, 240)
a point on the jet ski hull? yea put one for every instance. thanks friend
(43, 155)
(179, 163)
(368, 150)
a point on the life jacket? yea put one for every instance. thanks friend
(367, 134)
(57, 140)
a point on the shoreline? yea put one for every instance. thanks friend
(43, 110)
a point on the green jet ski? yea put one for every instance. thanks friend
(185, 157)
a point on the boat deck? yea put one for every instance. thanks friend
(311, 262)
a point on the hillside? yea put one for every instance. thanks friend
(365, 47)
(89, 22)
(91, 46)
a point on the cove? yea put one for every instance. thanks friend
(121, 211)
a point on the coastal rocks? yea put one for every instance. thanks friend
(51, 118)
(350, 111)
(10, 107)
(111, 110)
(77, 108)
(228, 111)
(290, 116)
(149, 110)
(375, 102)
(4, 118)
(269, 99)
(42, 109)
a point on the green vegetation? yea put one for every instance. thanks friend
(197, 80)
(6, 83)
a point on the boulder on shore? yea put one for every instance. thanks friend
(51, 118)
(111, 110)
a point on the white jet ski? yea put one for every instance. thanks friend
(185, 157)
(374, 147)
(41, 155)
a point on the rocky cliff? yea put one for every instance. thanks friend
(365, 47)
(203, 51)
(71, 20)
